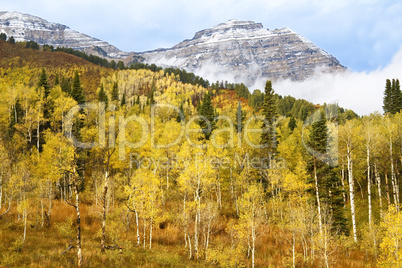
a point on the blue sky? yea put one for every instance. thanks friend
(363, 35)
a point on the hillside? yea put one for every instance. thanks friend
(173, 174)
(14, 57)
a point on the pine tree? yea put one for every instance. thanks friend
(240, 117)
(123, 99)
(43, 83)
(207, 111)
(56, 79)
(392, 97)
(11, 40)
(268, 137)
(3, 36)
(115, 92)
(292, 123)
(77, 92)
(178, 118)
(102, 97)
(325, 178)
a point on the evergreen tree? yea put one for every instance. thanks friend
(268, 137)
(102, 97)
(328, 180)
(3, 36)
(240, 117)
(11, 40)
(207, 111)
(56, 80)
(292, 123)
(392, 97)
(77, 92)
(115, 92)
(120, 65)
(113, 64)
(43, 83)
(178, 118)
(123, 99)
(65, 85)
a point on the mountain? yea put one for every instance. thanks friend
(24, 27)
(244, 51)
(237, 51)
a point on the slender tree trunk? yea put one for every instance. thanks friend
(137, 225)
(317, 193)
(351, 192)
(395, 186)
(150, 234)
(145, 233)
(343, 185)
(378, 180)
(387, 189)
(369, 188)
(42, 212)
(294, 250)
(77, 208)
(104, 213)
(253, 246)
(1, 188)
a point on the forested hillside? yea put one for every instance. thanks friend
(135, 168)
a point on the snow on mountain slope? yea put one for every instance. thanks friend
(245, 51)
(24, 27)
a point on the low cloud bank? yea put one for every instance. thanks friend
(360, 91)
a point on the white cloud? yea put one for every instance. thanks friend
(359, 91)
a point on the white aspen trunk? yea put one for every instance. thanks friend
(219, 189)
(42, 212)
(343, 186)
(351, 192)
(393, 178)
(253, 246)
(145, 233)
(369, 188)
(137, 225)
(189, 247)
(150, 234)
(25, 215)
(1, 188)
(77, 208)
(196, 234)
(50, 200)
(378, 180)
(104, 213)
(96, 191)
(294, 250)
(318, 199)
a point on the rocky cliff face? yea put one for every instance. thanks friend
(246, 52)
(237, 51)
(30, 28)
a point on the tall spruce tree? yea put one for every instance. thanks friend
(115, 92)
(43, 83)
(102, 97)
(240, 117)
(268, 137)
(392, 97)
(207, 111)
(77, 92)
(327, 191)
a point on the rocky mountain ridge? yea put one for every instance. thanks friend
(247, 52)
(24, 27)
(237, 51)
